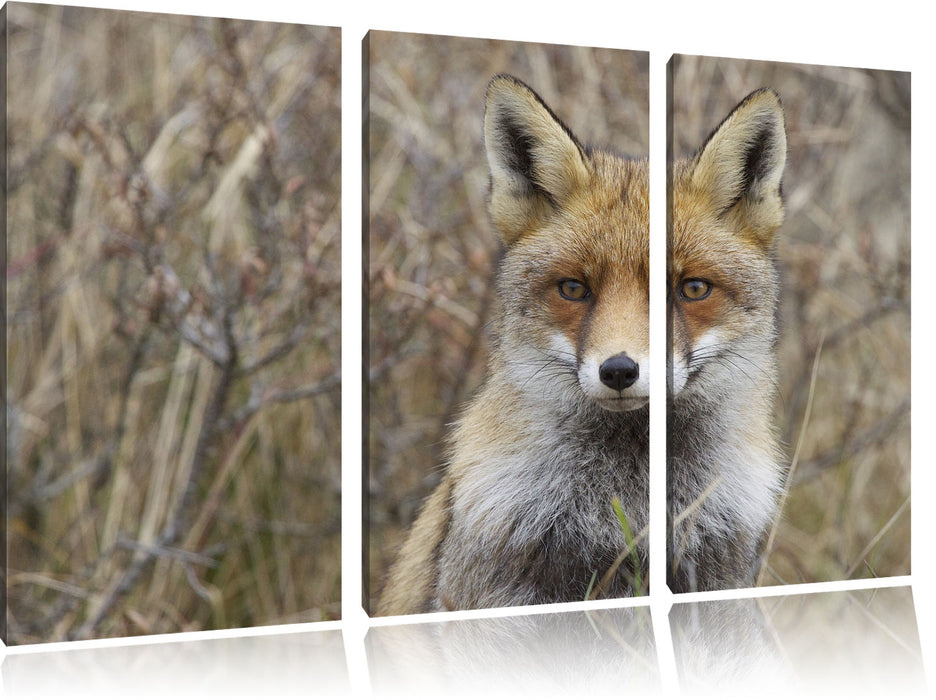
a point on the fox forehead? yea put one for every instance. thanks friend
(704, 244)
(602, 233)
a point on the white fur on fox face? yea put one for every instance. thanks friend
(532, 366)
(678, 376)
(561, 347)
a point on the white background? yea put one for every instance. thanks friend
(896, 35)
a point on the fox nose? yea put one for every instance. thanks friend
(618, 372)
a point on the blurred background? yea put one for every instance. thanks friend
(430, 248)
(173, 325)
(844, 351)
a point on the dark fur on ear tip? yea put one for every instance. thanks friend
(756, 127)
(518, 155)
(507, 77)
(759, 155)
(764, 91)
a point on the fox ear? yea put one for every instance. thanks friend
(740, 166)
(534, 159)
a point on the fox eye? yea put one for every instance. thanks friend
(695, 289)
(573, 290)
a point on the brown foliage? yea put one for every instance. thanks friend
(173, 327)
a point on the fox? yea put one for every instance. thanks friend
(544, 497)
(725, 468)
(523, 513)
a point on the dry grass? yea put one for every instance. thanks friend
(173, 328)
(432, 249)
(844, 252)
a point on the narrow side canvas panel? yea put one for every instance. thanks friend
(789, 318)
(173, 327)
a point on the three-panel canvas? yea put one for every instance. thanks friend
(173, 294)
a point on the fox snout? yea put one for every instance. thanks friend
(619, 372)
(616, 383)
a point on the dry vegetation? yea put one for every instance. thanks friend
(432, 248)
(173, 323)
(844, 252)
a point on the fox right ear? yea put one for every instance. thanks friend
(740, 167)
(534, 159)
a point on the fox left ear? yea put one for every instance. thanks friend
(740, 166)
(535, 162)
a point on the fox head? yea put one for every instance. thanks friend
(573, 283)
(725, 206)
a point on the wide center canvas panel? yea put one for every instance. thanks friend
(528, 158)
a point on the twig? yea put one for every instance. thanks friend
(257, 402)
(281, 350)
(612, 570)
(881, 430)
(877, 538)
(154, 550)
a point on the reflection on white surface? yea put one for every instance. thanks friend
(860, 642)
(600, 653)
(294, 665)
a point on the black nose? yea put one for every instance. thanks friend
(619, 372)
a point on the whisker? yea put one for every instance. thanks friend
(725, 356)
(552, 366)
